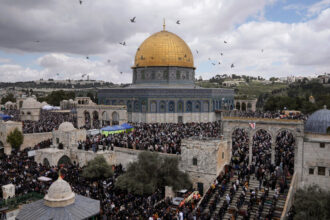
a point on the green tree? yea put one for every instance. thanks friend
(8, 97)
(55, 97)
(312, 203)
(152, 172)
(15, 138)
(97, 168)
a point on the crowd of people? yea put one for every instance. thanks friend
(270, 175)
(269, 114)
(165, 137)
(22, 171)
(48, 121)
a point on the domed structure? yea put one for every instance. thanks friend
(163, 88)
(66, 126)
(164, 49)
(59, 194)
(318, 122)
(163, 59)
(30, 103)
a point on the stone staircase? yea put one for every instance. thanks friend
(217, 207)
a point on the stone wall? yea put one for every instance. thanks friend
(203, 159)
(30, 140)
(312, 156)
(171, 117)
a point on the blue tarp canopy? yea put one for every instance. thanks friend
(127, 126)
(113, 128)
(5, 117)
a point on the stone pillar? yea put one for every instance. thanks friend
(8, 191)
(250, 152)
(272, 156)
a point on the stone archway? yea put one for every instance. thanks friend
(240, 146)
(46, 162)
(87, 119)
(115, 118)
(2, 150)
(105, 119)
(64, 160)
(96, 122)
(243, 108)
(285, 149)
(262, 147)
(238, 106)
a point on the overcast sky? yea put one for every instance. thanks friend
(52, 38)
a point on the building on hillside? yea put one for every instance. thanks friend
(68, 136)
(61, 203)
(30, 110)
(246, 104)
(5, 129)
(163, 88)
(314, 157)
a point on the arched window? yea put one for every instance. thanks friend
(144, 106)
(162, 106)
(129, 106)
(249, 106)
(197, 106)
(243, 106)
(171, 106)
(180, 106)
(189, 106)
(206, 106)
(238, 106)
(153, 107)
(136, 106)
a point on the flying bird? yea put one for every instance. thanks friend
(262, 50)
(213, 64)
(123, 43)
(37, 41)
(225, 42)
(83, 75)
(221, 54)
(209, 58)
(219, 63)
(232, 65)
(178, 22)
(121, 72)
(132, 19)
(80, 1)
(197, 51)
(87, 57)
(109, 61)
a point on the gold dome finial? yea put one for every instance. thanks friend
(163, 24)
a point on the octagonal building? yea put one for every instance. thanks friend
(163, 88)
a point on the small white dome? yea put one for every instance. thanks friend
(66, 126)
(59, 194)
(8, 103)
(31, 103)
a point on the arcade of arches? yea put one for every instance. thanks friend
(246, 105)
(100, 116)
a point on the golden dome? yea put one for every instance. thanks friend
(164, 49)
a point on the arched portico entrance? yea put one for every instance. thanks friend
(64, 160)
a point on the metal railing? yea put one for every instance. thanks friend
(290, 196)
(13, 203)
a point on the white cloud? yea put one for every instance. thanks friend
(68, 32)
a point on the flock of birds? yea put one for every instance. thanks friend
(132, 20)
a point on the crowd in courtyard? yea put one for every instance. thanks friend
(48, 121)
(165, 137)
(271, 176)
(23, 172)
